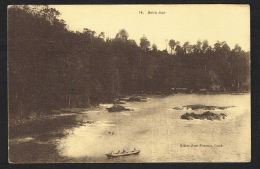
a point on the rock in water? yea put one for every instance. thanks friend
(134, 99)
(206, 115)
(204, 107)
(117, 108)
(177, 108)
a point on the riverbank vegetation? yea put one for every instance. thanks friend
(51, 67)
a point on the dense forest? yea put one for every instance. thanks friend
(51, 67)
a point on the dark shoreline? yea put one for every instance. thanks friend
(17, 122)
(23, 125)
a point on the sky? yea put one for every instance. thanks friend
(230, 23)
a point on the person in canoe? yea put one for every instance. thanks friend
(124, 153)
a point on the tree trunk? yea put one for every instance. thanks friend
(88, 100)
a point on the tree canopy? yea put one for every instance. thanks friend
(46, 61)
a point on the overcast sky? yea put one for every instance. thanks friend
(230, 23)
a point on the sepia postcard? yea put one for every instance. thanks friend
(129, 83)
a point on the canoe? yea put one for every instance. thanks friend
(123, 154)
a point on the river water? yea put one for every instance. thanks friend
(157, 130)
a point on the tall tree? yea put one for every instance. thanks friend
(122, 34)
(225, 49)
(178, 50)
(102, 35)
(217, 46)
(166, 43)
(198, 47)
(144, 43)
(185, 46)
(172, 44)
(154, 47)
(237, 48)
(205, 45)
(89, 34)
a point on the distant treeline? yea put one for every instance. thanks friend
(46, 61)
